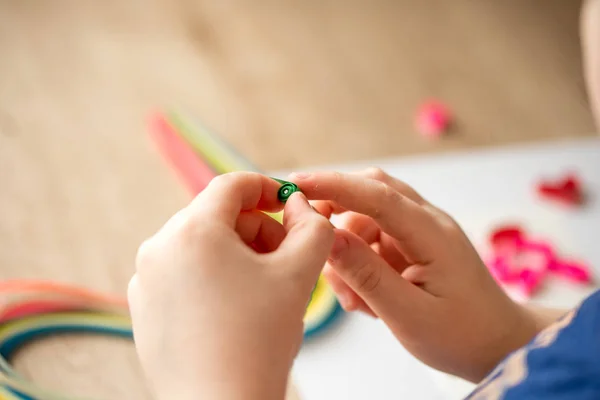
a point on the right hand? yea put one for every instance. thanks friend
(399, 258)
(220, 291)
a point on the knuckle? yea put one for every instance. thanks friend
(316, 223)
(443, 222)
(189, 231)
(188, 228)
(221, 179)
(144, 254)
(321, 224)
(338, 179)
(448, 224)
(227, 179)
(232, 178)
(324, 229)
(132, 287)
(391, 195)
(390, 199)
(133, 296)
(183, 231)
(329, 273)
(192, 235)
(367, 277)
(338, 176)
(377, 174)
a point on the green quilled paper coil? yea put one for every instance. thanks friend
(286, 190)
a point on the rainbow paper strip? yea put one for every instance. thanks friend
(217, 154)
(36, 309)
(184, 160)
(222, 158)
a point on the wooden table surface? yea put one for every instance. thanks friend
(291, 84)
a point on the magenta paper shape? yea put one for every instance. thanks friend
(524, 263)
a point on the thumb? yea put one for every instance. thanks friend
(380, 286)
(308, 241)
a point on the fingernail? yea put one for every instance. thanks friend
(340, 244)
(344, 300)
(300, 175)
(315, 210)
(305, 203)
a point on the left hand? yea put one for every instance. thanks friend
(400, 258)
(220, 292)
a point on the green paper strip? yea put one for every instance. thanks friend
(286, 190)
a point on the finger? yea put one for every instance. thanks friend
(327, 207)
(416, 274)
(323, 208)
(308, 240)
(229, 194)
(386, 246)
(379, 285)
(365, 309)
(413, 226)
(380, 175)
(382, 244)
(259, 230)
(361, 225)
(389, 251)
(346, 296)
(348, 299)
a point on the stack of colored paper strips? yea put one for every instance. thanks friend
(198, 155)
(35, 309)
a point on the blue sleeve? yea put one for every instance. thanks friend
(561, 363)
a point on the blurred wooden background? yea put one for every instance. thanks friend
(290, 84)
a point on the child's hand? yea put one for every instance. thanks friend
(220, 292)
(402, 259)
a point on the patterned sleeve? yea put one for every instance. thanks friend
(561, 363)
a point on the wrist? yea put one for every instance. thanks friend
(517, 328)
(245, 376)
(230, 390)
(245, 388)
(529, 321)
(525, 323)
(542, 317)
